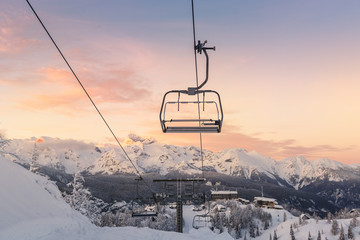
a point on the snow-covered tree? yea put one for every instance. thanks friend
(270, 237)
(309, 236)
(251, 230)
(350, 233)
(3, 142)
(81, 199)
(284, 217)
(354, 222)
(318, 236)
(316, 217)
(34, 166)
(218, 222)
(342, 234)
(266, 224)
(292, 234)
(329, 217)
(241, 218)
(334, 227)
(275, 236)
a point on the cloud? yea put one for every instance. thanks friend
(12, 26)
(66, 103)
(58, 90)
(58, 143)
(231, 137)
(317, 151)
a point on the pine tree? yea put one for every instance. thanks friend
(353, 222)
(3, 142)
(251, 230)
(82, 201)
(309, 236)
(257, 231)
(275, 236)
(245, 236)
(292, 235)
(284, 217)
(329, 217)
(342, 235)
(34, 166)
(270, 237)
(350, 233)
(316, 217)
(334, 227)
(319, 236)
(266, 224)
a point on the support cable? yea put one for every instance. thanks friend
(87, 94)
(197, 85)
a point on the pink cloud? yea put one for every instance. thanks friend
(115, 85)
(230, 138)
(12, 26)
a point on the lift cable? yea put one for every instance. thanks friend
(87, 94)
(197, 85)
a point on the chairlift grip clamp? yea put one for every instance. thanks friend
(201, 46)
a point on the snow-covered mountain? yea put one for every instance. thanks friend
(151, 156)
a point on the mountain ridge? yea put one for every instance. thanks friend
(150, 156)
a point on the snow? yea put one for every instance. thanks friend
(264, 199)
(152, 156)
(32, 208)
(302, 231)
(224, 192)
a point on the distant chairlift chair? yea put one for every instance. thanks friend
(194, 124)
(139, 211)
(204, 220)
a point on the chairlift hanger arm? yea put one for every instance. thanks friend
(200, 47)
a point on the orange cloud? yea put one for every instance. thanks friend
(59, 90)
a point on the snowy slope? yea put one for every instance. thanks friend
(32, 208)
(312, 227)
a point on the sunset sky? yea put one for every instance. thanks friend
(288, 71)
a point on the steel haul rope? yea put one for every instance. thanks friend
(197, 85)
(87, 94)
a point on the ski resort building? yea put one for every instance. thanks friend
(243, 201)
(305, 217)
(215, 195)
(265, 202)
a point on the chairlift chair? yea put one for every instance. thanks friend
(203, 220)
(193, 124)
(139, 211)
(144, 213)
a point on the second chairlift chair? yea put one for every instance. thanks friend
(193, 124)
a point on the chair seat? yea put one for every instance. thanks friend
(192, 129)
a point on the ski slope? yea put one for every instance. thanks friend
(32, 208)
